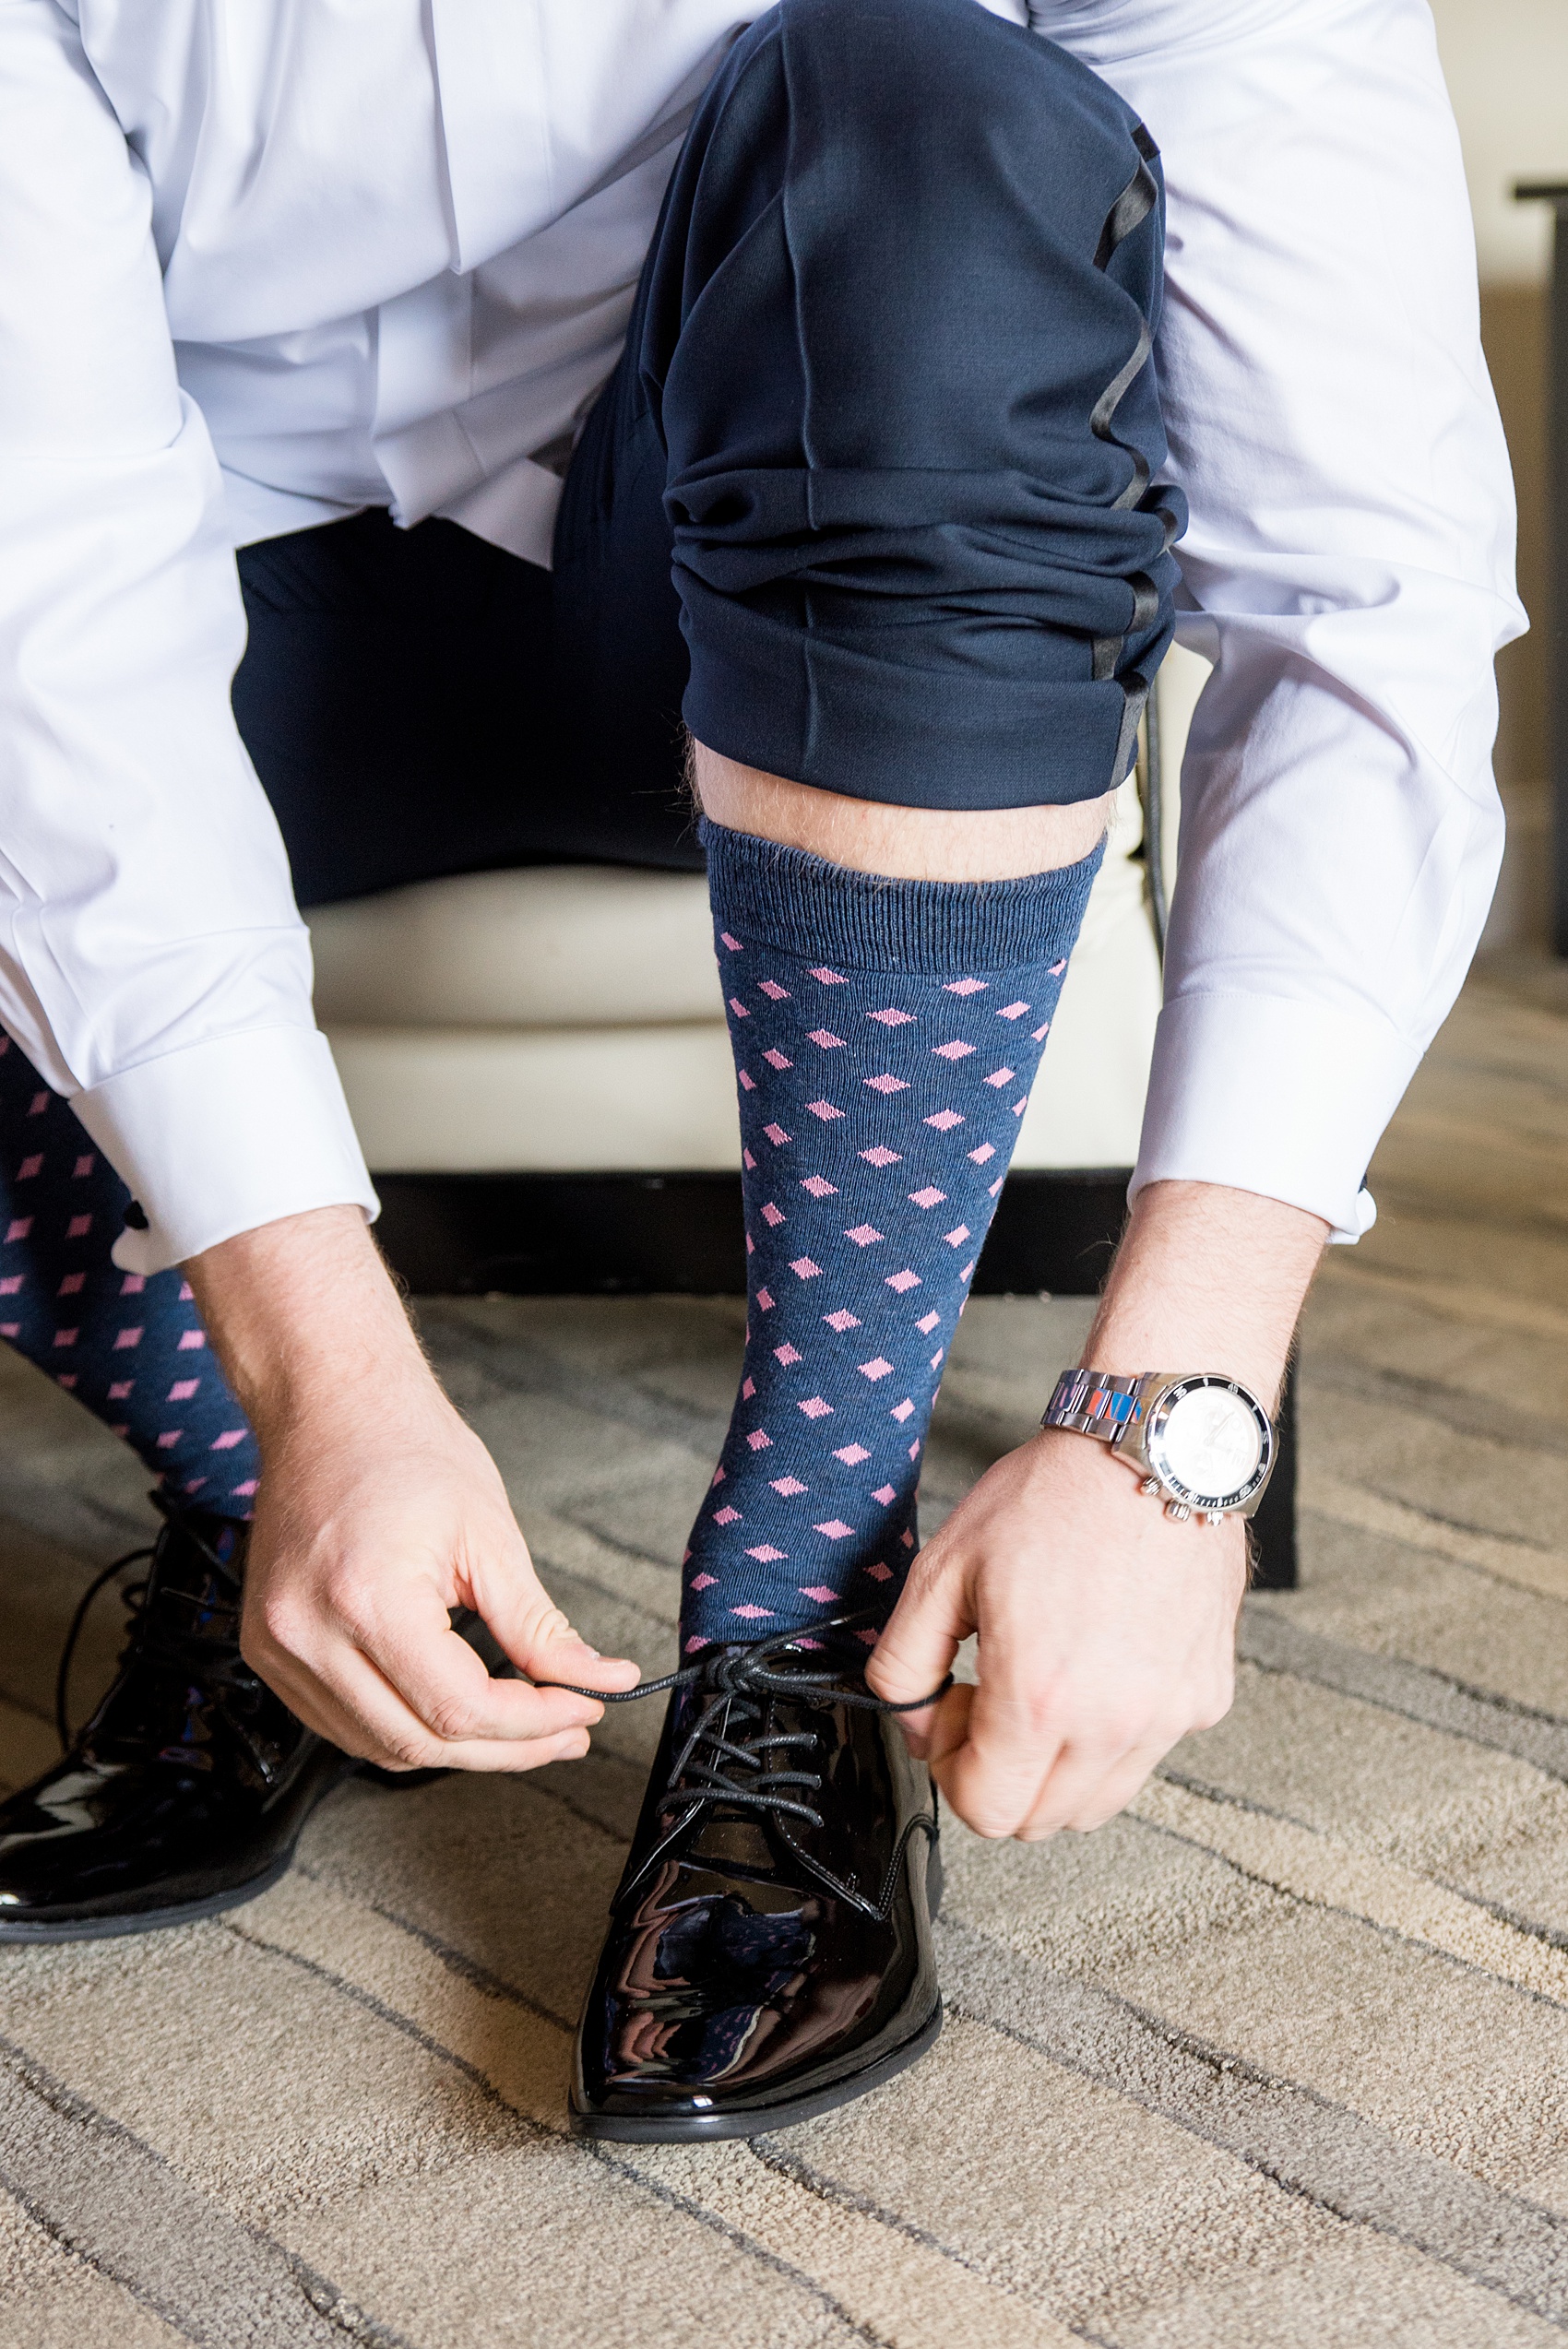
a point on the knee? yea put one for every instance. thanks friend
(934, 58)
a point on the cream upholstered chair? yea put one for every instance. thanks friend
(566, 1021)
(569, 1019)
(538, 1067)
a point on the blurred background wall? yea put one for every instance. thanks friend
(1507, 67)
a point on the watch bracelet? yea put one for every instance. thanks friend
(1094, 1402)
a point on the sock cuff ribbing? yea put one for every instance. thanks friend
(871, 922)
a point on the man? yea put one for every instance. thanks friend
(853, 455)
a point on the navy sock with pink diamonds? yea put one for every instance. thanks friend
(886, 1034)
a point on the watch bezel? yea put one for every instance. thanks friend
(1155, 1417)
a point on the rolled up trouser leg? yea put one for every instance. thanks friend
(896, 335)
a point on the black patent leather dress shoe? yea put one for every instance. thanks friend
(769, 1954)
(185, 1792)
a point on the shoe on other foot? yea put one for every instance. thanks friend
(769, 1954)
(185, 1792)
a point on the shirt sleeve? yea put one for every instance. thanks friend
(152, 962)
(1348, 569)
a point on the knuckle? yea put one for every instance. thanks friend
(281, 1622)
(450, 1719)
(404, 1749)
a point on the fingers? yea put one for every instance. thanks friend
(540, 1641)
(914, 1652)
(448, 1720)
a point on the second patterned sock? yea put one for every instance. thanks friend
(886, 1034)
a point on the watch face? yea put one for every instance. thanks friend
(1211, 1443)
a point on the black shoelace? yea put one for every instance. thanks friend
(719, 1762)
(211, 1657)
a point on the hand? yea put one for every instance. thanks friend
(1107, 1631)
(379, 1510)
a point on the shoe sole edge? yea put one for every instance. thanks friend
(688, 2129)
(144, 1920)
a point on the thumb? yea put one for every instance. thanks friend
(915, 1653)
(539, 1637)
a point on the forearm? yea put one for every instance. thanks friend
(1207, 1278)
(304, 1318)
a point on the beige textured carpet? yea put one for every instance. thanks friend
(1281, 2058)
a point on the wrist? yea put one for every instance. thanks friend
(1207, 1278)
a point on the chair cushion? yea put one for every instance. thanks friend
(569, 1018)
(551, 946)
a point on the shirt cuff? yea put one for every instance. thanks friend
(1266, 1093)
(223, 1136)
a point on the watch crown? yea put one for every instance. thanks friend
(1178, 1512)
(1150, 1486)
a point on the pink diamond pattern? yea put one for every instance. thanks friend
(739, 1008)
(726, 1516)
(822, 1462)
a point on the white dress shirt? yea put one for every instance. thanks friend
(267, 262)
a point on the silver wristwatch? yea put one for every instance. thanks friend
(1203, 1443)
